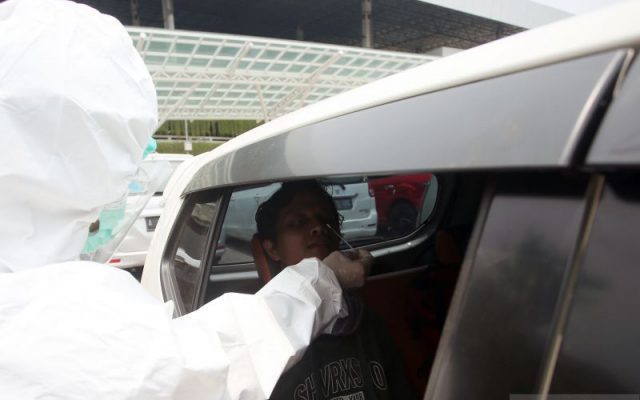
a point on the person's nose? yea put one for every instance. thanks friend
(317, 227)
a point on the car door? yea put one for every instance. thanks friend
(522, 149)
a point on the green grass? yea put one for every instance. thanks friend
(207, 128)
(175, 146)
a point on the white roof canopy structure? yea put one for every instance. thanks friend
(208, 76)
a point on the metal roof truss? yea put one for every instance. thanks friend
(216, 76)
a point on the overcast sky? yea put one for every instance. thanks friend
(577, 6)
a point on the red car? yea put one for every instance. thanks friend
(399, 201)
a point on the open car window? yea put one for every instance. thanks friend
(373, 209)
(382, 213)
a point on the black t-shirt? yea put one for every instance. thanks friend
(359, 365)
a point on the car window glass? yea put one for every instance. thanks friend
(191, 242)
(354, 201)
(403, 202)
(373, 210)
(240, 223)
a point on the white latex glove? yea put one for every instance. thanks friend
(351, 267)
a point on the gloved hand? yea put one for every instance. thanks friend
(351, 267)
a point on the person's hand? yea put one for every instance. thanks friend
(351, 267)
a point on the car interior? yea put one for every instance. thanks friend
(414, 273)
(504, 240)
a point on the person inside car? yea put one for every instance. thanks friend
(357, 358)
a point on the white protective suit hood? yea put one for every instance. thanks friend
(77, 107)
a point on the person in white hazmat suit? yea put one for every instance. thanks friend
(77, 107)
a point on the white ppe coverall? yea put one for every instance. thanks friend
(77, 107)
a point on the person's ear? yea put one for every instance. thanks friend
(270, 248)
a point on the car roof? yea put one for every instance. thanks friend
(610, 28)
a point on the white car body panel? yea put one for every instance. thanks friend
(564, 40)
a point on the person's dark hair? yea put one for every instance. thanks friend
(268, 212)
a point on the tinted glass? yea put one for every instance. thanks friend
(190, 250)
(600, 350)
(618, 141)
(240, 222)
(403, 202)
(509, 288)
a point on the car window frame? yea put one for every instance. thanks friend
(168, 279)
(378, 249)
(445, 185)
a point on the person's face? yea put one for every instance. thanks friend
(301, 231)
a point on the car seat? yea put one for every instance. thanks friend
(414, 304)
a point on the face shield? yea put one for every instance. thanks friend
(77, 108)
(115, 220)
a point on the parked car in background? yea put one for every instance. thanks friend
(400, 201)
(132, 251)
(357, 205)
(523, 278)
